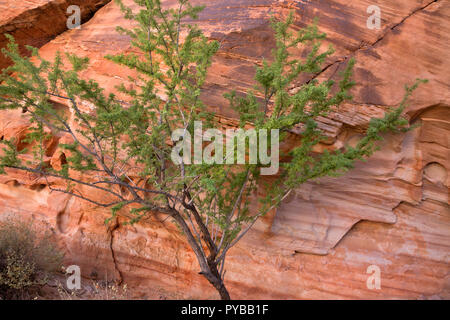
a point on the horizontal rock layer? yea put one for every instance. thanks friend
(391, 211)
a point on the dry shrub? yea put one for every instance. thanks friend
(27, 259)
(99, 290)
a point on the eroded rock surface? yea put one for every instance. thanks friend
(391, 211)
(36, 22)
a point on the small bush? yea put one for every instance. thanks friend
(27, 259)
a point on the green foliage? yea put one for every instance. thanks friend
(27, 259)
(122, 149)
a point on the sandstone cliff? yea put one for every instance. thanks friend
(36, 22)
(391, 211)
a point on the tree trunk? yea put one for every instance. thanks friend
(224, 295)
(207, 265)
(214, 278)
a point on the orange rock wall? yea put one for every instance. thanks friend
(391, 211)
(36, 22)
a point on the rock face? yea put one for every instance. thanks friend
(36, 22)
(391, 211)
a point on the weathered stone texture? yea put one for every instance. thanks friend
(391, 211)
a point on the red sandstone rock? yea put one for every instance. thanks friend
(391, 211)
(36, 22)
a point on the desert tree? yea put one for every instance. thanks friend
(123, 148)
